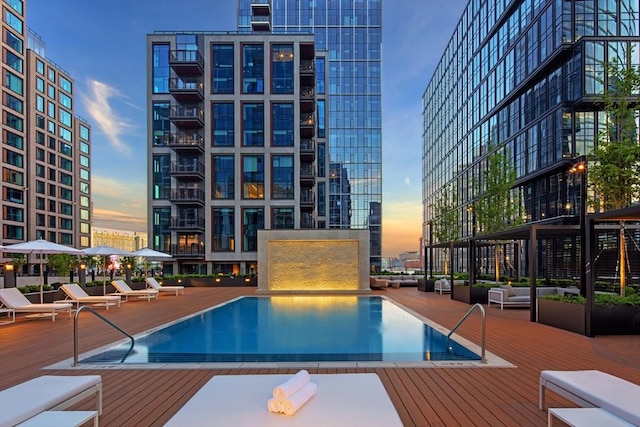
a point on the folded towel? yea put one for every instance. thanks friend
(293, 384)
(297, 399)
(274, 405)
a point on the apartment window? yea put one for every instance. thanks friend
(84, 201)
(223, 68)
(320, 76)
(52, 190)
(321, 119)
(321, 160)
(66, 238)
(13, 60)
(14, 140)
(160, 68)
(223, 135)
(52, 158)
(13, 158)
(40, 220)
(161, 180)
(253, 125)
(253, 177)
(84, 134)
(40, 203)
(52, 142)
(13, 195)
(252, 221)
(84, 174)
(52, 75)
(40, 84)
(84, 161)
(65, 117)
(252, 68)
(282, 125)
(13, 232)
(282, 177)
(14, 42)
(13, 213)
(13, 121)
(65, 100)
(282, 68)
(52, 174)
(223, 230)
(84, 227)
(66, 224)
(51, 91)
(51, 109)
(51, 126)
(40, 103)
(40, 67)
(12, 102)
(66, 164)
(40, 154)
(66, 85)
(84, 187)
(40, 187)
(52, 220)
(13, 82)
(223, 177)
(84, 214)
(12, 176)
(13, 21)
(66, 179)
(84, 147)
(40, 170)
(64, 134)
(282, 218)
(16, 5)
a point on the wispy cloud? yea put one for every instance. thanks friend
(99, 104)
(125, 200)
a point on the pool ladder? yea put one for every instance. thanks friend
(107, 321)
(484, 316)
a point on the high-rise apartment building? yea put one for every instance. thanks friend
(235, 132)
(46, 147)
(523, 77)
(351, 32)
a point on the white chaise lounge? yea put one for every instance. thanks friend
(47, 393)
(12, 298)
(77, 295)
(152, 283)
(123, 289)
(594, 389)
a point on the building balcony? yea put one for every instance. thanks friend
(307, 221)
(261, 23)
(261, 7)
(307, 174)
(188, 89)
(307, 126)
(307, 200)
(307, 150)
(187, 116)
(195, 225)
(187, 196)
(307, 67)
(193, 250)
(184, 142)
(186, 62)
(187, 171)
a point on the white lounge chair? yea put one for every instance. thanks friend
(152, 283)
(125, 290)
(48, 393)
(594, 389)
(13, 299)
(442, 286)
(77, 295)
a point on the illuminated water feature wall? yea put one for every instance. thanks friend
(313, 261)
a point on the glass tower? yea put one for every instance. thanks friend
(523, 77)
(351, 32)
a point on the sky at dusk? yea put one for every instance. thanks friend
(102, 45)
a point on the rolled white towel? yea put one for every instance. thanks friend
(274, 405)
(293, 384)
(297, 399)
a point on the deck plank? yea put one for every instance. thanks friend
(422, 396)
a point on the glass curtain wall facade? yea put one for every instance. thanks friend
(522, 76)
(351, 32)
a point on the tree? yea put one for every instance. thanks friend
(614, 165)
(62, 263)
(494, 206)
(446, 227)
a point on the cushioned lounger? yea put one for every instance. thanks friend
(594, 389)
(241, 400)
(48, 392)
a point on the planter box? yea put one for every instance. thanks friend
(607, 320)
(562, 315)
(200, 282)
(47, 297)
(471, 295)
(426, 285)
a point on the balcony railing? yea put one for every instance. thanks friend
(187, 223)
(186, 61)
(192, 250)
(187, 195)
(187, 170)
(187, 115)
(307, 65)
(307, 221)
(188, 88)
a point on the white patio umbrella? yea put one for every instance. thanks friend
(150, 254)
(105, 251)
(41, 247)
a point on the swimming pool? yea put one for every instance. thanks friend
(291, 329)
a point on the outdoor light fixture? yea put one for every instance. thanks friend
(83, 266)
(8, 267)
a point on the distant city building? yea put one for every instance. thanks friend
(46, 174)
(120, 239)
(236, 135)
(351, 32)
(523, 77)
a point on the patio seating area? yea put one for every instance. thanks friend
(442, 396)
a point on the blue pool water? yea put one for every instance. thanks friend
(292, 329)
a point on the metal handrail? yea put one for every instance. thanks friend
(75, 333)
(484, 316)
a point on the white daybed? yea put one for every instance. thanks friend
(47, 393)
(594, 389)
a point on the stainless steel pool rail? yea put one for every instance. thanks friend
(484, 316)
(100, 316)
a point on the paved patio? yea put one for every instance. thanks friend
(446, 396)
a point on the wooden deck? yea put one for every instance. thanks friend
(422, 396)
